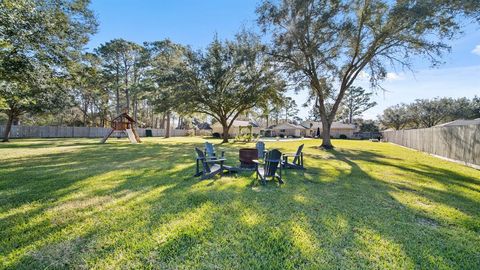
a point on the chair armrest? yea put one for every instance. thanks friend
(291, 155)
(216, 160)
(256, 161)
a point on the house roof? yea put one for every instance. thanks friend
(239, 123)
(124, 115)
(288, 126)
(335, 125)
(203, 126)
(460, 122)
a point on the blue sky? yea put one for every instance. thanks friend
(194, 22)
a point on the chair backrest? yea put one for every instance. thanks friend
(297, 155)
(210, 149)
(201, 157)
(261, 149)
(272, 159)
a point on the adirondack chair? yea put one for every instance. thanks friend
(210, 152)
(297, 162)
(269, 167)
(210, 168)
(261, 150)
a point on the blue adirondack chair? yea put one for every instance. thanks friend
(210, 152)
(297, 162)
(270, 166)
(209, 168)
(261, 149)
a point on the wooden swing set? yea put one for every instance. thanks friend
(123, 123)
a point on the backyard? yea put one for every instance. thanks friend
(76, 203)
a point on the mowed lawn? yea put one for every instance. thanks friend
(74, 203)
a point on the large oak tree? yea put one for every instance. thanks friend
(38, 39)
(228, 79)
(326, 44)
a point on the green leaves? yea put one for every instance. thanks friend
(355, 102)
(330, 42)
(229, 78)
(39, 39)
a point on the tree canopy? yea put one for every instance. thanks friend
(227, 79)
(38, 40)
(425, 113)
(356, 101)
(325, 44)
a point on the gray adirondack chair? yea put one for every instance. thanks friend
(270, 166)
(210, 152)
(209, 168)
(297, 162)
(261, 149)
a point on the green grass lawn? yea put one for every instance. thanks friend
(74, 203)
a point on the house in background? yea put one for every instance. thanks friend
(337, 129)
(288, 130)
(460, 122)
(202, 129)
(235, 128)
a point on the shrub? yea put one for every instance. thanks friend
(216, 135)
(343, 137)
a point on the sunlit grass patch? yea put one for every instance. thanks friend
(74, 203)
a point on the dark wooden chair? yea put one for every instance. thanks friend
(269, 167)
(210, 152)
(209, 168)
(297, 162)
(261, 149)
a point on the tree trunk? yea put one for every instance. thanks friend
(85, 109)
(127, 92)
(135, 108)
(167, 128)
(225, 132)
(117, 92)
(326, 142)
(162, 122)
(6, 134)
(127, 96)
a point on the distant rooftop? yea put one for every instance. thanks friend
(288, 126)
(335, 125)
(460, 122)
(240, 123)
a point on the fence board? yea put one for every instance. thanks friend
(78, 132)
(460, 143)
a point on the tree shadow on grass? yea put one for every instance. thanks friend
(158, 215)
(370, 205)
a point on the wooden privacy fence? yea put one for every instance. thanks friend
(79, 132)
(459, 143)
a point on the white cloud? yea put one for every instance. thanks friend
(363, 75)
(392, 76)
(476, 50)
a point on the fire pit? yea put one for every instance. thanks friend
(247, 155)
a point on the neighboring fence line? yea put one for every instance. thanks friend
(457, 143)
(79, 132)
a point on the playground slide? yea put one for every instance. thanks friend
(131, 136)
(136, 136)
